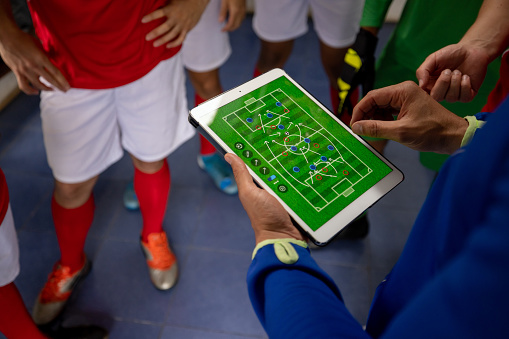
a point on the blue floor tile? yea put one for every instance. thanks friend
(212, 294)
(32, 192)
(124, 330)
(224, 224)
(27, 154)
(119, 285)
(171, 332)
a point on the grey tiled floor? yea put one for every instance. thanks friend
(209, 231)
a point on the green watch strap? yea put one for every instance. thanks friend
(473, 125)
(283, 249)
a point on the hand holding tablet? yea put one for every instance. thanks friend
(321, 173)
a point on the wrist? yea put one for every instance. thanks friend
(473, 126)
(456, 134)
(266, 235)
(282, 249)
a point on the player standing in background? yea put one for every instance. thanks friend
(111, 79)
(414, 38)
(278, 23)
(205, 49)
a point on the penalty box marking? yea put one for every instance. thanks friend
(253, 100)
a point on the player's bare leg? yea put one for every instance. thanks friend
(152, 182)
(73, 212)
(206, 86)
(73, 195)
(332, 61)
(273, 55)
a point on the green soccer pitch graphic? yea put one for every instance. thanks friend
(312, 163)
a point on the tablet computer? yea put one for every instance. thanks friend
(295, 148)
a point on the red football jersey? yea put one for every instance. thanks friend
(99, 44)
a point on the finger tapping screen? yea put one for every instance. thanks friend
(312, 163)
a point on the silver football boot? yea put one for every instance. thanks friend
(56, 292)
(161, 262)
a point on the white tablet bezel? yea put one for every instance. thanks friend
(331, 228)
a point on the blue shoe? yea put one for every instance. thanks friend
(130, 199)
(220, 171)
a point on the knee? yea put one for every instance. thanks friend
(274, 54)
(73, 195)
(268, 61)
(148, 167)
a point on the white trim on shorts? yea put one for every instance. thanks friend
(9, 250)
(85, 131)
(206, 47)
(335, 21)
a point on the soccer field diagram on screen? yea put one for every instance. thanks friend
(307, 158)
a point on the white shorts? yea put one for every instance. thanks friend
(85, 131)
(336, 21)
(206, 48)
(9, 251)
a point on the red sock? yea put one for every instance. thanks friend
(256, 72)
(152, 191)
(15, 321)
(72, 225)
(206, 148)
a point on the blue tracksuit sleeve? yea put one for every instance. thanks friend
(298, 300)
(468, 298)
(451, 280)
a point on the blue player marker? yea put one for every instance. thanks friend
(272, 177)
(330, 147)
(312, 167)
(323, 158)
(281, 127)
(306, 140)
(296, 169)
(279, 104)
(269, 115)
(250, 120)
(293, 148)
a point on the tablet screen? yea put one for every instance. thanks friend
(308, 159)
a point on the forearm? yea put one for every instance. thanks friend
(490, 31)
(7, 23)
(296, 298)
(374, 13)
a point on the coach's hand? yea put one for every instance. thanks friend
(422, 123)
(268, 218)
(181, 16)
